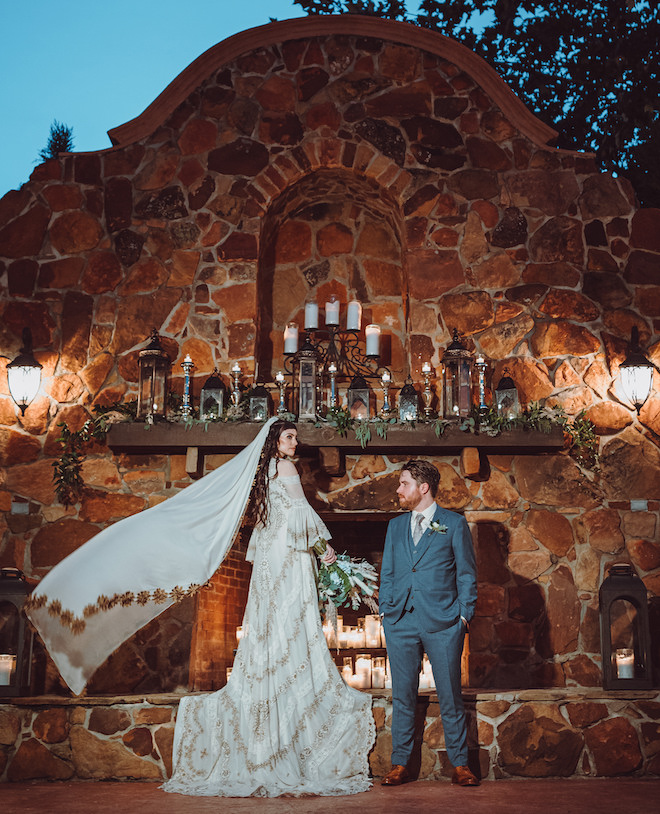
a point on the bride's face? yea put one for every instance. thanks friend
(287, 443)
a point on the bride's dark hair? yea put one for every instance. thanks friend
(258, 509)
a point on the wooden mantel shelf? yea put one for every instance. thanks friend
(232, 437)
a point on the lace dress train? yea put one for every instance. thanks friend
(286, 723)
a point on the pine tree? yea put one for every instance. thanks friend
(60, 140)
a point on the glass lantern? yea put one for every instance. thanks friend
(152, 389)
(307, 381)
(457, 364)
(408, 402)
(357, 397)
(212, 397)
(507, 402)
(259, 403)
(24, 374)
(15, 634)
(625, 637)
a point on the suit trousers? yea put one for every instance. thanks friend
(406, 643)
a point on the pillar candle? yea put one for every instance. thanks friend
(625, 663)
(363, 671)
(311, 316)
(354, 316)
(372, 631)
(373, 340)
(332, 311)
(291, 338)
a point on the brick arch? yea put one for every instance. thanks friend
(405, 34)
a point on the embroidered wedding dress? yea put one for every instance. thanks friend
(285, 723)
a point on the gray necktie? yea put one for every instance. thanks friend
(418, 530)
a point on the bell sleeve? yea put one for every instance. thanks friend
(305, 527)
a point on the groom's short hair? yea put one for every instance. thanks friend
(423, 472)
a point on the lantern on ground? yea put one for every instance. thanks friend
(152, 389)
(212, 397)
(259, 400)
(624, 630)
(24, 374)
(357, 398)
(636, 372)
(457, 364)
(15, 634)
(507, 402)
(408, 402)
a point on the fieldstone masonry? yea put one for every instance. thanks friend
(367, 159)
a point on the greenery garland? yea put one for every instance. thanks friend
(580, 433)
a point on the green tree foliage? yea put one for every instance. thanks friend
(60, 140)
(588, 68)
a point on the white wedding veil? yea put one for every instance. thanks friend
(130, 572)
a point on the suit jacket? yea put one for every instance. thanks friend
(438, 575)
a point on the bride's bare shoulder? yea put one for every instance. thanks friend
(286, 468)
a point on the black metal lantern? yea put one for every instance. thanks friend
(24, 374)
(152, 388)
(507, 402)
(625, 638)
(212, 397)
(15, 634)
(307, 381)
(457, 364)
(259, 403)
(408, 402)
(357, 398)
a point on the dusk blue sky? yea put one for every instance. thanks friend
(95, 65)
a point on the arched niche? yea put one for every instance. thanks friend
(332, 232)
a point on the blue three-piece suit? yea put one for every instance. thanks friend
(425, 589)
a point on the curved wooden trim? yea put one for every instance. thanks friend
(348, 24)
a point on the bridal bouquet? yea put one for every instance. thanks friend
(345, 583)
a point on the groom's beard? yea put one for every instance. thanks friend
(409, 504)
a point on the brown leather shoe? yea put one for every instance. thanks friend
(396, 776)
(463, 777)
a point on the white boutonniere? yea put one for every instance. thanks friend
(438, 528)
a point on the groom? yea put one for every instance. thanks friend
(428, 590)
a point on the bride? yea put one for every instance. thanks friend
(285, 723)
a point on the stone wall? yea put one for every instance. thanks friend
(526, 734)
(373, 160)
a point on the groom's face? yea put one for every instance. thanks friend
(409, 493)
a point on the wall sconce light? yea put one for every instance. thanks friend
(24, 374)
(636, 373)
(152, 388)
(625, 638)
(457, 363)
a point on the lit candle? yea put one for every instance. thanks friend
(426, 367)
(291, 338)
(236, 369)
(354, 316)
(311, 316)
(386, 378)
(228, 672)
(363, 671)
(373, 340)
(378, 673)
(625, 663)
(7, 665)
(280, 377)
(332, 311)
(239, 633)
(372, 631)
